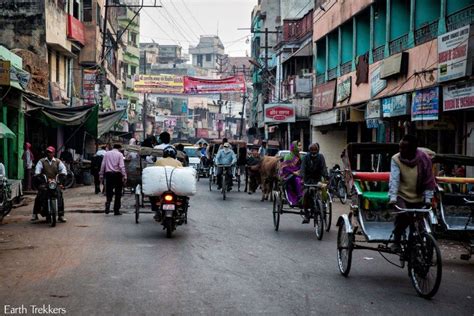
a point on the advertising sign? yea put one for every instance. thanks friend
(4, 73)
(193, 85)
(453, 52)
(280, 113)
(395, 106)
(373, 110)
(344, 90)
(425, 105)
(458, 97)
(323, 96)
(89, 80)
(158, 84)
(376, 84)
(202, 133)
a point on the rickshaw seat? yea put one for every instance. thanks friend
(380, 197)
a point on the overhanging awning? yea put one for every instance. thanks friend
(305, 50)
(107, 120)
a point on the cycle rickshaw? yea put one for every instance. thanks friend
(213, 149)
(455, 199)
(371, 221)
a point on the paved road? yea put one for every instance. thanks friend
(227, 260)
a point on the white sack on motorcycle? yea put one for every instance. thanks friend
(182, 180)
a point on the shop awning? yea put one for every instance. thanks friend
(5, 132)
(306, 49)
(107, 120)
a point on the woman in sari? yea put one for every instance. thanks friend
(289, 172)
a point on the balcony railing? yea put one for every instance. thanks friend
(378, 53)
(426, 33)
(320, 79)
(460, 18)
(332, 73)
(399, 45)
(346, 68)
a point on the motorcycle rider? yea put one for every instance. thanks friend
(225, 156)
(50, 167)
(313, 170)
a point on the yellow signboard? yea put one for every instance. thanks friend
(159, 84)
(4, 73)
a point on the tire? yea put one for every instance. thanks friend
(137, 208)
(345, 245)
(318, 218)
(210, 182)
(238, 183)
(52, 212)
(276, 211)
(169, 227)
(425, 261)
(224, 186)
(342, 192)
(70, 180)
(328, 215)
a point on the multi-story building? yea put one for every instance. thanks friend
(384, 66)
(209, 52)
(149, 53)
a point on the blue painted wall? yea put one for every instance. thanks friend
(456, 5)
(321, 56)
(380, 25)
(426, 11)
(400, 18)
(347, 40)
(333, 49)
(363, 33)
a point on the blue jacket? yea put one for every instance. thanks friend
(225, 156)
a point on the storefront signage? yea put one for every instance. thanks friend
(394, 65)
(344, 90)
(376, 84)
(325, 118)
(395, 106)
(373, 110)
(425, 105)
(4, 73)
(89, 90)
(202, 132)
(453, 54)
(323, 96)
(158, 84)
(280, 113)
(194, 85)
(458, 97)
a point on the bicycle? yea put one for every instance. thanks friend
(225, 179)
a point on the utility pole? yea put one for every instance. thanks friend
(145, 97)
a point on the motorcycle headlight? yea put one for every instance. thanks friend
(52, 185)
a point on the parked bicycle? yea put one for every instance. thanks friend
(337, 185)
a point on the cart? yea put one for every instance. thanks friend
(371, 221)
(455, 197)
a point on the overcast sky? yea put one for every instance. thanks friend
(183, 21)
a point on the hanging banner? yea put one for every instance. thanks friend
(453, 54)
(158, 84)
(280, 113)
(89, 91)
(395, 106)
(194, 85)
(458, 97)
(323, 96)
(425, 105)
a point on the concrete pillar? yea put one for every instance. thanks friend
(387, 28)
(411, 32)
(372, 35)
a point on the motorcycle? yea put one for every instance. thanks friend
(5, 198)
(174, 211)
(52, 196)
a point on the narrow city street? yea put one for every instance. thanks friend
(227, 260)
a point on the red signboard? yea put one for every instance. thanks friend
(280, 113)
(194, 85)
(202, 133)
(75, 30)
(323, 96)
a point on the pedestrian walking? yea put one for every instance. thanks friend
(113, 170)
(28, 159)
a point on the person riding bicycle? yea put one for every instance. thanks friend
(225, 156)
(289, 173)
(411, 185)
(313, 170)
(51, 167)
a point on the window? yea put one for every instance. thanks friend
(87, 5)
(133, 39)
(133, 70)
(208, 57)
(199, 60)
(57, 67)
(75, 10)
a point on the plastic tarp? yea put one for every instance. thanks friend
(107, 120)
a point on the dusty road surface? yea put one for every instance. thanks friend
(228, 260)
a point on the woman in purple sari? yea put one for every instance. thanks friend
(289, 172)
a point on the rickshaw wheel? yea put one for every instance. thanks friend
(328, 215)
(425, 265)
(345, 245)
(277, 207)
(318, 218)
(137, 207)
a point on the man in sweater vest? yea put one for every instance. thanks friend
(51, 167)
(412, 183)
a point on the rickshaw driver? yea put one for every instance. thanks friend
(411, 185)
(313, 170)
(225, 156)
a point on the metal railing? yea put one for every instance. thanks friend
(378, 53)
(332, 73)
(426, 33)
(320, 79)
(346, 68)
(399, 45)
(460, 18)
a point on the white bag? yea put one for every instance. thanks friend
(182, 181)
